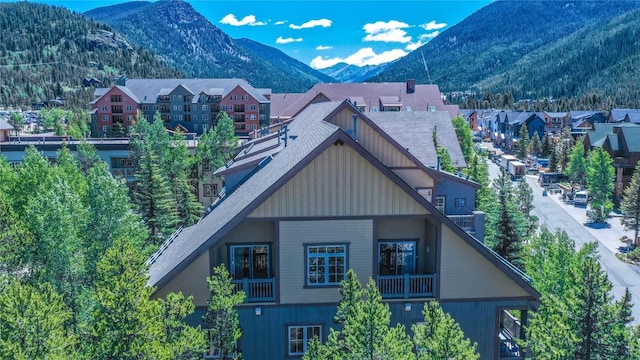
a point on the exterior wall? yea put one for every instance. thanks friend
(235, 98)
(264, 336)
(181, 102)
(248, 232)
(416, 178)
(127, 115)
(4, 135)
(466, 274)
(339, 182)
(373, 141)
(191, 281)
(294, 235)
(452, 190)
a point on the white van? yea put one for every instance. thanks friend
(581, 198)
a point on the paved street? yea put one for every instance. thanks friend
(554, 214)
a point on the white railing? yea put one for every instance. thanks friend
(463, 221)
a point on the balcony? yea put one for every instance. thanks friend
(406, 286)
(463, 221)
(257, 290)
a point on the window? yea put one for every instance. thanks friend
(252, 116)
(461, 202)
(146, 108)
(326, 264)
(175, 107)
(252, 107)
(105, 128)
(129, 108)
(210, 190)
(250, 261)
(205, 127)
(245, 97)
(205, 107)
(396, 257)
(105, 117)
(116, 98)
(299, 336)
(440, 203)
(155, 107)
(205, 117)
(130, 117)
(233, 97)
(195, 127)
(105, 108)
(206, 164)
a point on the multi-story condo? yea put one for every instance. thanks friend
(190, 105)
(343, 191)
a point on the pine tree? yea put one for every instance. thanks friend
(554, 159)
(600, 177)
(445, 159)
(17, 121)
(440, 337)
(630, 205)
(508, 238)
(535, 146)
(33, 323)
(619, 345)
(546, 146)
(154, 199)
(523, 142)
(221, 318)
(524, 196)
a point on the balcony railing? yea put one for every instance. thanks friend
(463, 221)
(257, 290)
(407, 286)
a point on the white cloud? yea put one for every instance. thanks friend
(422, 39)
(312, 23)
(281, 22)
(433, 25)
(281, 40)
(387, 31)
(364, 56)
(323, 47)
(250, 20)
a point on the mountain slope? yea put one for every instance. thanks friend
(189, 42)
(350, 73)
(47, 51)
(491, 41)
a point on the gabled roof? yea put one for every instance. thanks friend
(631, 138)
(601, 130)
(612, 140)
(101, 92)
(556, 114)
(4, 125)
(620, 114)
(421, 99)
(414, 132)
(314, 136)
(149, 89)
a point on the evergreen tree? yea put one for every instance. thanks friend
(221, 318)
(508, 238)
(523, 142)
(620, 340)
(535, 145)
(126, 323)
(554, 159)
(630, 205)
(478, 171)
(440, 337)
(600, 177)
(445, 159)
(577, 166)
(365, 332)
(33, 323)
(154, 199)
(524, 196)
(546, 146)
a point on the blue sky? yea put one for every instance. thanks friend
(323, 33)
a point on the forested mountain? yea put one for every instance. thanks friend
(534, 49)
(190, 42)
(46, 52)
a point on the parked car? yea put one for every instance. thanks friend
(581, 198)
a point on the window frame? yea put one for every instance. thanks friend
(438, 206)
(327, 274)
(460, 202)
(305, 337)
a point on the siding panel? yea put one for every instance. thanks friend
(191, 281)
(325, 187)
(294, 234)
(465, 273)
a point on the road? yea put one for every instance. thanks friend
(555, 214)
